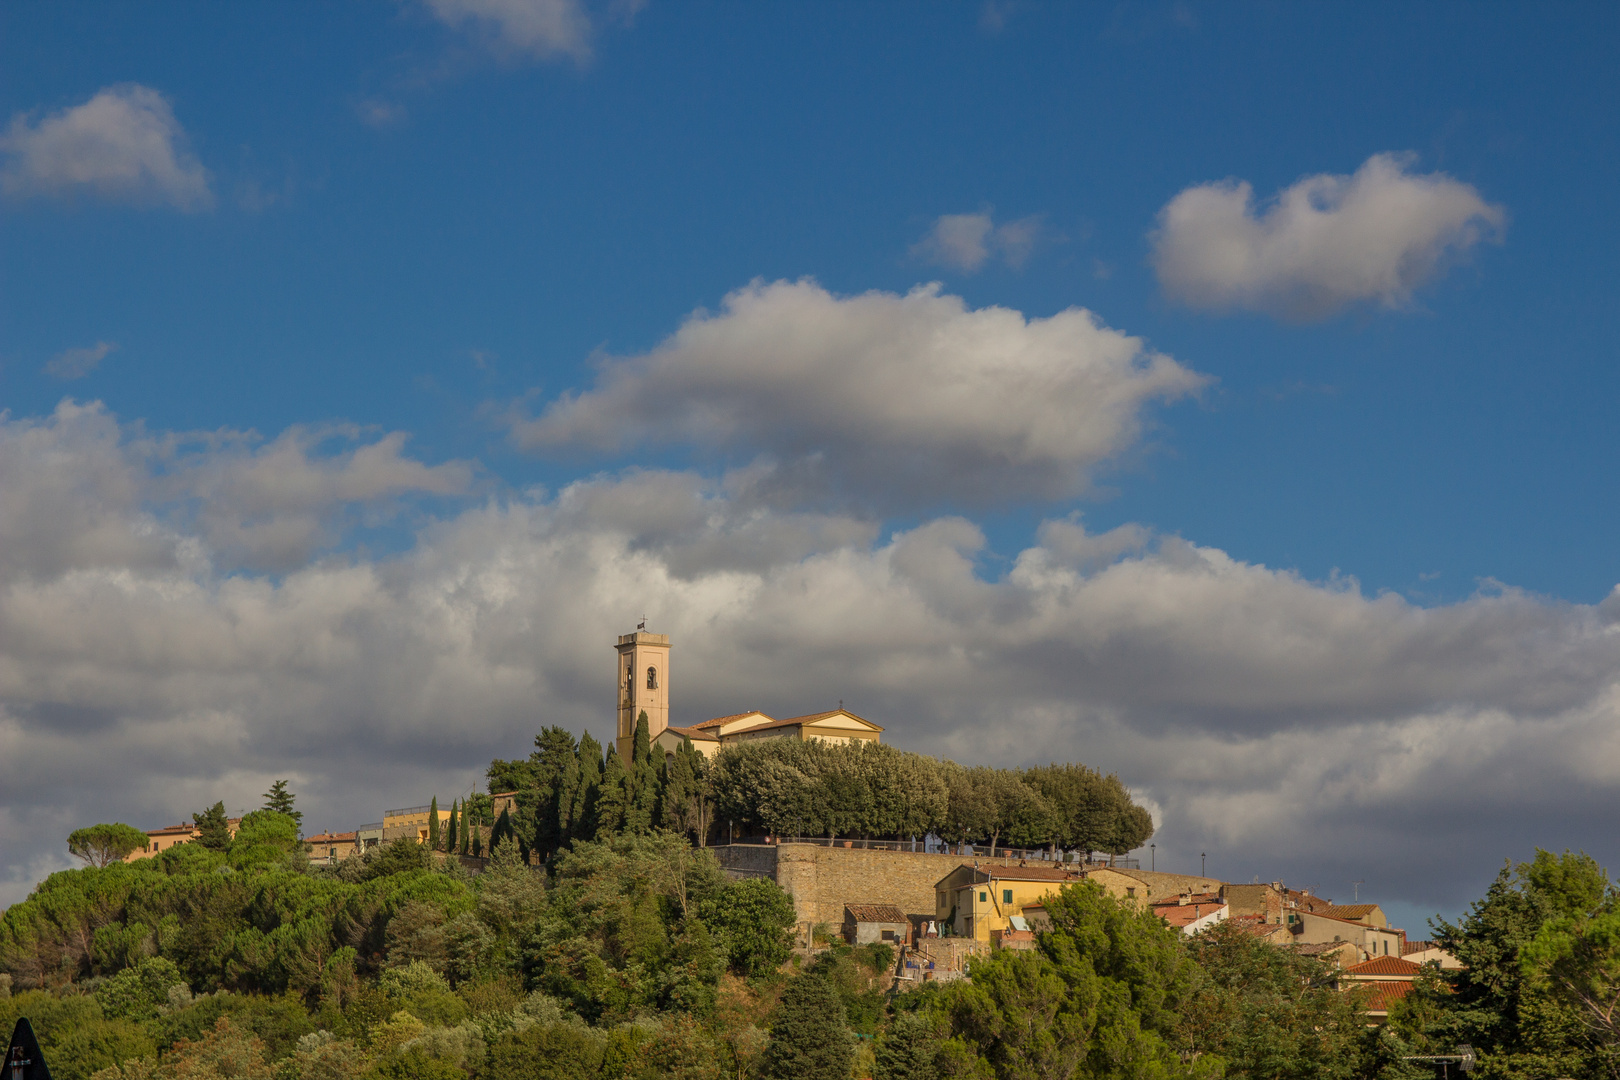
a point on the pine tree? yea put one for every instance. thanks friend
(810, 1039)
(450, 829)
(279, 799)
(433, 824)
(213, 827)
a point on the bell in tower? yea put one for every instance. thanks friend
(643, 675)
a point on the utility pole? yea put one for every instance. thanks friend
(1153, 856)
(1201, 863)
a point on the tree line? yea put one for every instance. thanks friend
(571, 789)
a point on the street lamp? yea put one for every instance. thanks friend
(1153, 856)
(1201, 864)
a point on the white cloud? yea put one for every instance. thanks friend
(78, 492)
(124, 144)
(77, 363)
(1289, 727)
(1322, 245)
(966, 241)
(913, 397)
(541, 28)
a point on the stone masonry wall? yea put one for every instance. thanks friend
(822, 880)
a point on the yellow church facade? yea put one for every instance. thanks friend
(643, 676)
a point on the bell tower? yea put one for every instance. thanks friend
(643, 675)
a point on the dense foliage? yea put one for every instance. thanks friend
(569, 790)
(595, 943)
(250, 962)
(1540, 995)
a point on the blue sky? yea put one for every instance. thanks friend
(434, 219)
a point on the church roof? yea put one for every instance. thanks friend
(695, 733)
(800, 721)
(721, 721)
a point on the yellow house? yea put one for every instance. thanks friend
(411, 821)
(981, 902)
(167, 837)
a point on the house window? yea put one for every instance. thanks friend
(984, 897)
(1006, 896)
(888, 935)
(652, 678)
(1130, 891)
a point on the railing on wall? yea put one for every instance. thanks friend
(967, 851)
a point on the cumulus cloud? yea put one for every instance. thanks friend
(1322, 245)
(1289, 727)
(912, 397)
(78, 492)
(77, 363)
(967, 241)
(124, 145)
(541, 28)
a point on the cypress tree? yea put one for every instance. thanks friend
(810, 1039)
(589, 792)
(433, 824)
(450, 829)
(566, 805)
(641, 782)
(502, 832)
(612, 800)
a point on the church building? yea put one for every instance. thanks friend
(643, 678)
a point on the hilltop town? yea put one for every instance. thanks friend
(940, 902)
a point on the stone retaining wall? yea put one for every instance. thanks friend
(822, 880)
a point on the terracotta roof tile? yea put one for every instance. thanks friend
(1386, 994)
(1418, 946)
(1186, 914)
(878, 913)
(331, 838)
(1384, 965)
(1353, 912)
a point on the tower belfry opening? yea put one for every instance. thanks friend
(643, 677)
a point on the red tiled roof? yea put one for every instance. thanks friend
(167, 829)
(332, 838)
(1194, 898)
(876, 913)
(1386, 994)
(1352, 912)
(1186, 914)
(1417, 946)
(1384, 965)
